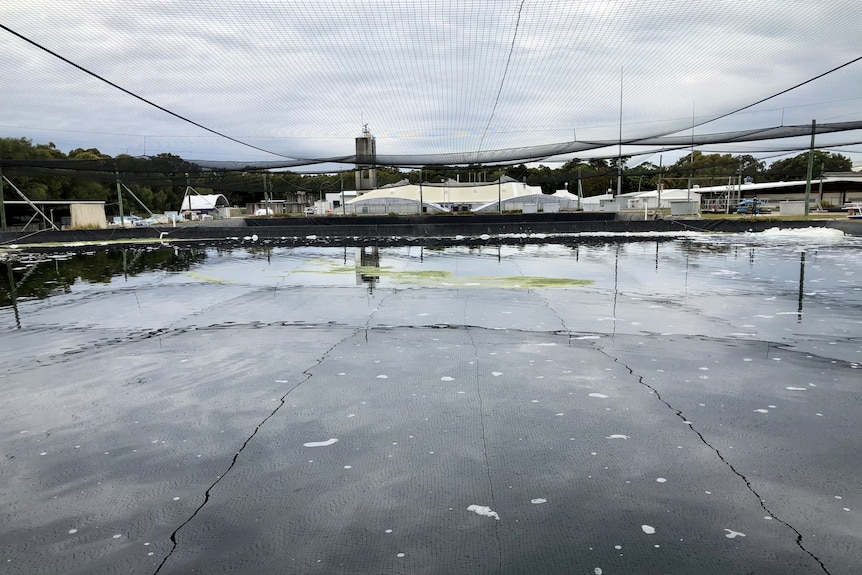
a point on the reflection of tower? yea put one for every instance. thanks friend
(367, 267)
(366, 159)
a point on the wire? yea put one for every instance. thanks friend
(503, 78)
(130, 93)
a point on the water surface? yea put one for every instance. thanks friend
(664, 406)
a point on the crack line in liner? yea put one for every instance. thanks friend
(245, 443)
(379, 304)
(748, 484)
(485, 442)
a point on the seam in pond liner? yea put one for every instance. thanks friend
(748, 484)
(245, 443)
(485, 441)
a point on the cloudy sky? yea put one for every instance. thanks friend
(299, 78)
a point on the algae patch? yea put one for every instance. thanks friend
(540, 282)
(441, 278)
(208, 279)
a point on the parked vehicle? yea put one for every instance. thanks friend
(752, 206)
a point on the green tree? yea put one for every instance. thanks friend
(796, 168)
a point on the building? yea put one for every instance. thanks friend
(834, 188)
(48, 214)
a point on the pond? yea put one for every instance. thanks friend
(617, 405)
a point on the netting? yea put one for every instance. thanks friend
(234, 84)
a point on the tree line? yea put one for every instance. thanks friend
(43, 172)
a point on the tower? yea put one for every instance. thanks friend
(366, 160)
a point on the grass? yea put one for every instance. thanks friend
(814, 216)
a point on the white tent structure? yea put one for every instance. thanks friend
(449, 196)
(203, 203)
(527, 203)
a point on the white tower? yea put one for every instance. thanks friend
(366, 159)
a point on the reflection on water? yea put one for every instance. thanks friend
(740, 279)
(368, 267)
(39, 277)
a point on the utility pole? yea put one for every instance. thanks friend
(580, 188)
(810, 167)
(120, 201)
(343, 205)
(620, 151)
(820, 199)
(658, 199)
(691, 157)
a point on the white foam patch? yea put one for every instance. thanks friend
(447, 378)
(732, 534)
(761, 410)
(538, 501)
(599, 395)
(381, 376)
(648, 529)
(546, 344)
(617, 436)
(661, 480)
(797, 388)
(483, 510)
(496, 373)
(326, 443)
(804, 232)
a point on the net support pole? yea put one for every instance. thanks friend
(137, 199)
(810, 167)
(2, 204)
(31, 204)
